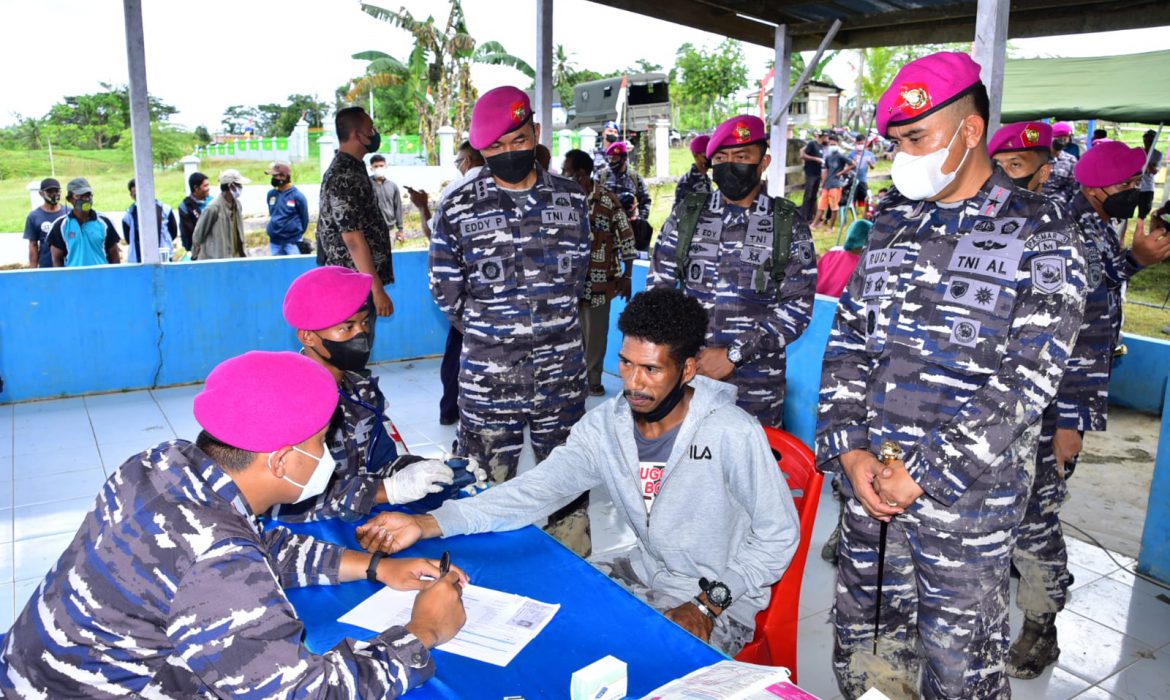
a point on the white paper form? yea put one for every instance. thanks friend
(498, 625)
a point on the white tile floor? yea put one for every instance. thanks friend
(54, 455)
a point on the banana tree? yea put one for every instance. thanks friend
(438, 69)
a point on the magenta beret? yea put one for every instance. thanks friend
(924, 86)
(1021, 136)
(325, 296)
(1108, 163)
(1060, 129)
(699, 144)
(737, 131)
(498, 112)
(617, 148)
(262, 401)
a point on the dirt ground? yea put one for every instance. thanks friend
(1108, 491)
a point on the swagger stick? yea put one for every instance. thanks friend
(888, 454)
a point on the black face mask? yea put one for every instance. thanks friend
(375, 143)
(279, 182)
(665, 407)
(611, 138)
(51, 199)
(512, 166)
(618, 165)
(736, 180)
(352, 355)
(1022, 182)
(1121, 205)
(1058, 146)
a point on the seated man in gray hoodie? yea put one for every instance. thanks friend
(690, 473)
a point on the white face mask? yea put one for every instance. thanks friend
(921, 177)
(319, 478)
(236, 192)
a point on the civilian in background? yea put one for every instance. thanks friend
(168, 228)
(351, 231)
(1146, 186)
(39, 222)
(83, 237)
(192, 206)
(288, 212)
(388, 196)
(220, 231)
(812, 155)
(833, 181)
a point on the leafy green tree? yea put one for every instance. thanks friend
(644, 66)
(202, 135)
(88, 121)
(703, 79)
(236, 118)
(437, 73)
(168, 143)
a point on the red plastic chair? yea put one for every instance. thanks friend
(774, 643)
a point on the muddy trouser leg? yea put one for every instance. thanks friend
(493, 435)
(549, 428)
(761, 389)
(944, 591)
(729, 635)
(1040, 555)
(894, 670)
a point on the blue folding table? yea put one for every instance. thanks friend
(597, 617)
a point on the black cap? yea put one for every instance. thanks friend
(50, 183)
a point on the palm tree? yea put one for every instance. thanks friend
(438, 69)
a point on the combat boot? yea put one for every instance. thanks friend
(829, 551)
(1036, 648)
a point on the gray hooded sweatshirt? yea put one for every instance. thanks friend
(723, 510)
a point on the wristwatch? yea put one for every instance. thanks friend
(735, 354)
(372, 569)
(717, 592)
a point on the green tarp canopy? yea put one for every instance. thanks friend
(1133, 88)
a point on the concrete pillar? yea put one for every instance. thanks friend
(661, 148)
(990, 50)
(190, 165)
(446, 146)
(34, 194)
(298, 142)
(564, 141)
(140, 128)
(544, 66)
(393, 146)
(588, 140)
(328, 144)
(778, 146)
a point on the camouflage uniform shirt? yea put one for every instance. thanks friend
(366, 448)
(950, 340)
(510, 277)
(1062, 185)
(731, 251)
(692, 181)
(348, 204)
(631, 184)
(171, 589)
(612, 242)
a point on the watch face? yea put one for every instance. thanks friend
(719, 594)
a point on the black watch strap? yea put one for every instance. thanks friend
(372, 569)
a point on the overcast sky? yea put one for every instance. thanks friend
(204, 56)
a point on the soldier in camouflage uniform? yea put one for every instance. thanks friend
(695, 179)
(949, 342)
(508, 263)
(333, 313)
(1061, 185)
(740, 243)
(173, 589)
(1082, 400)
(626, 184)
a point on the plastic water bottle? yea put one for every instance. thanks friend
(164, 254)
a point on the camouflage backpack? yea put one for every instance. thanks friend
(783, 217)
